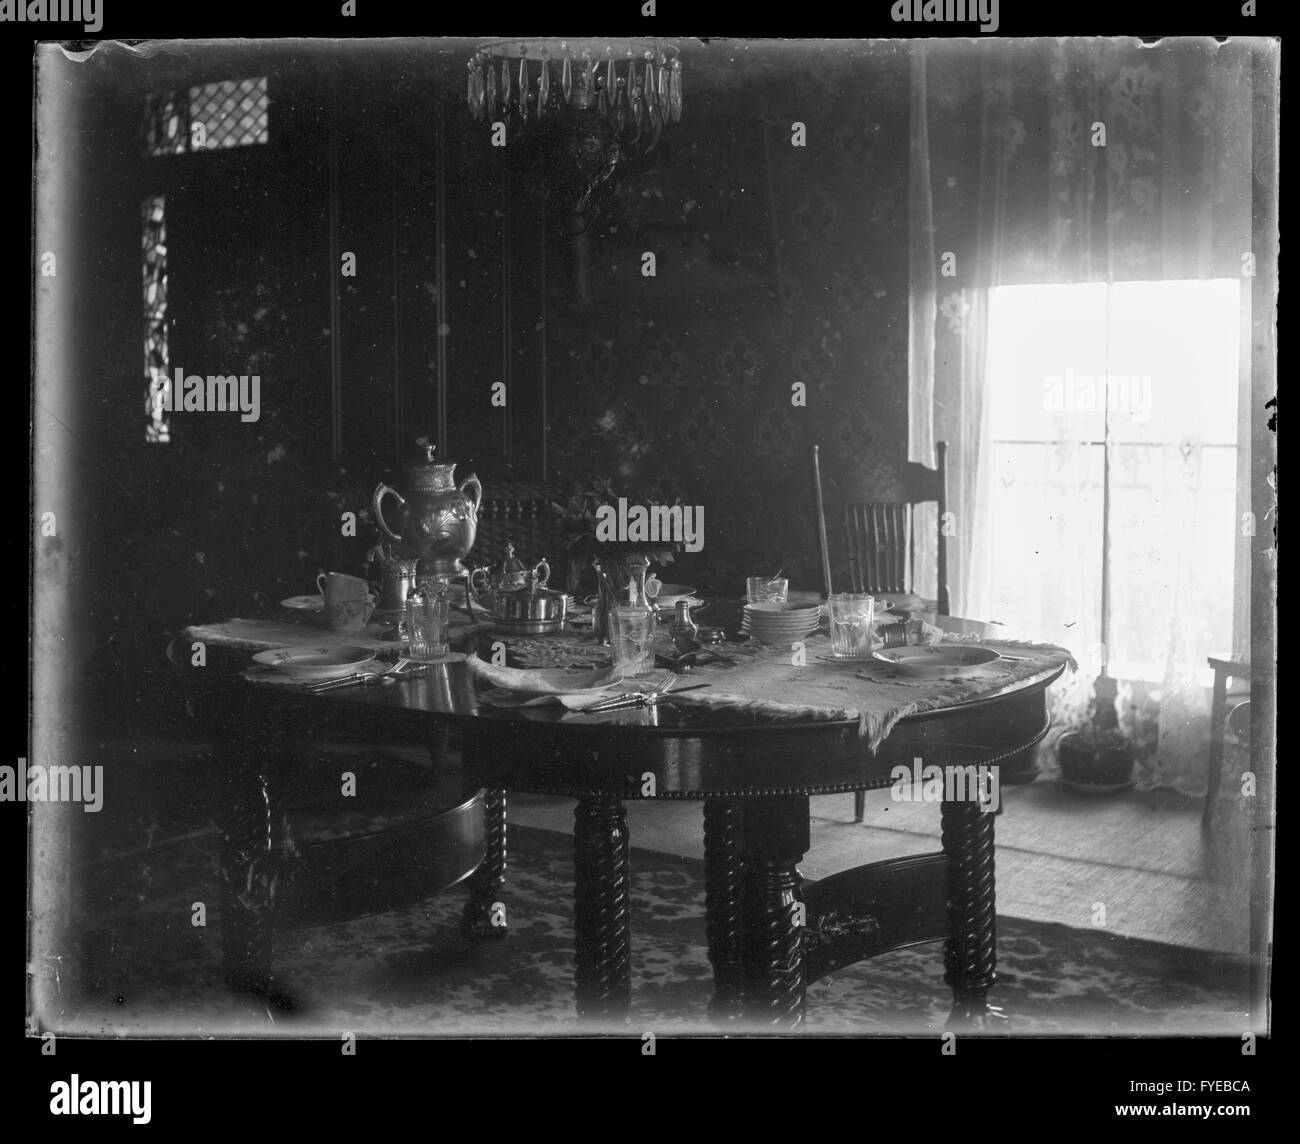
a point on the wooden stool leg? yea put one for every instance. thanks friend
(1218, 713)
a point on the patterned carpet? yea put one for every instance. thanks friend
(408, 973)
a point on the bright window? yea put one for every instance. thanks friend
(1113, 422)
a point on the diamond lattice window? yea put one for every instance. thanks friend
(209, 117)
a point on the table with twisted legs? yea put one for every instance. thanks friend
(770, 932)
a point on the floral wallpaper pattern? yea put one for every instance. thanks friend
(691, 388)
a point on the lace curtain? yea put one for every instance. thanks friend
(1105, 165)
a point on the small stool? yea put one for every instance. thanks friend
(1224, 669)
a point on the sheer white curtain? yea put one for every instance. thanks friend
(1079, 212)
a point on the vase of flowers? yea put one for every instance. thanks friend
(613, 562)
(579, 516)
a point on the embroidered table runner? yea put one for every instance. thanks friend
(777, 681)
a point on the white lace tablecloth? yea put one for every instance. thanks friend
(809, 684)
(259, 634)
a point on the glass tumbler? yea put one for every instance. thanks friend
(759, 589)
(851, 614)
(631, 638)
(426, 625)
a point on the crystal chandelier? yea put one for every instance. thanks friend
(631, 88)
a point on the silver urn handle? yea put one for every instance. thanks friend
(541, 573)
(382, 490)
(478, 491)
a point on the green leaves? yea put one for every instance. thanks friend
(579, 514)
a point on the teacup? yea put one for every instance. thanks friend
(349, 615)
(337, 587)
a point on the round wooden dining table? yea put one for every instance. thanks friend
(770, 932)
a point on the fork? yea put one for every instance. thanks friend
(635, 698)
(398, 668)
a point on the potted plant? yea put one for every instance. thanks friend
(1098, 756)
(579, 515)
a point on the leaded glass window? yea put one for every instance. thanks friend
(156, 356)
(208, 117)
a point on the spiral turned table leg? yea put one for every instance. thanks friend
(722, 898)
(602, 919)
(775, 839)
(970, 953)
(484, 916)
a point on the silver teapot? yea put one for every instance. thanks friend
(518, 598)
(512, 576)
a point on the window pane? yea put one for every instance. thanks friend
(233, 113)
(1173, 361)
(1046, 541)
(208, 117)
(1171, 558)
(157, 360)
(1152, 368)
(1047, 362)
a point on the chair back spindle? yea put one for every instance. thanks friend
(881, 536)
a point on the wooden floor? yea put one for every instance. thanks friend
(1144, 856)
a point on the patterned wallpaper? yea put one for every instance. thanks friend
(776, 264)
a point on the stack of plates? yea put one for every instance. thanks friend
(780, 623)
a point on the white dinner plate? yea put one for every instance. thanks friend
(304, 603)
(778, 609)
(555, 680)
(778, 639)
(940, 662)
(761, 621)
(315, 662)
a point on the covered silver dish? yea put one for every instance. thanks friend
(533, 609)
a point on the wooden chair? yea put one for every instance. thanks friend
(881, 541)
(520, 514)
